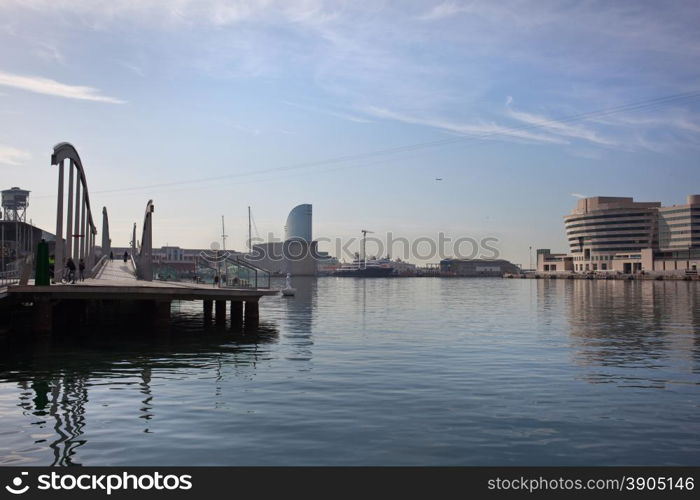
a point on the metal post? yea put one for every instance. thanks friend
(69, 220)
(76, 225)
(2, 228)
(83, 230)
(106, 246)
(58, 267)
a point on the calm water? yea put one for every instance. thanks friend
(384, 371)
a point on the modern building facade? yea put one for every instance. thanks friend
(295, 257)
(602, 227)
(299, 222)
(614, 234)
(679, 225)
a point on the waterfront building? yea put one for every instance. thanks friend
(554, 261)
(477, 267)
(297, 254)
(299, 223)
(603, 227)
(620, 235)
(296, 257)
(679, 225)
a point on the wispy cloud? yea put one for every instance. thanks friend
(47, 86)
(134, 68)
(558, 127)
(578, 195)
(442, 63)
(442, 11)
(337, 114)
(49, 51)
(13, 156)
(477, 131)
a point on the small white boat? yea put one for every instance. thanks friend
(288, 290)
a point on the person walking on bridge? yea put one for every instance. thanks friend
(70, 270)
(81, 268)
(126, 256)
(111, 255)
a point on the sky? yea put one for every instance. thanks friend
(210, 106)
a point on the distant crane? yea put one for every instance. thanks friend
(364, 245)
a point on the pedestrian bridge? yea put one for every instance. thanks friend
(111, 280)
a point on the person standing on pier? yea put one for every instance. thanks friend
(126, 256)
(111, 256)
(81, 268)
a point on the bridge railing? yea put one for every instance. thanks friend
(9, 277)
(98, 267)
(242, 274)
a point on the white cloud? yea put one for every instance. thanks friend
(52, 87)
(477, 131)
(337, 114)
(49, 52)
(13, 156)
(559, 127)
(442, 11)
(578, 195)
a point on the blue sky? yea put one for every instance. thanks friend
(258, 103)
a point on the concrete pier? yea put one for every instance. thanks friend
(208, 306)
(117, 291)
(161, 313)
(220, 312)
(42, 320)
(252, 313)
(236, 312)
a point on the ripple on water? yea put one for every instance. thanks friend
(386, 371)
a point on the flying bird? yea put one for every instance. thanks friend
(438, 178)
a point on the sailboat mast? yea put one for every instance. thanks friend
(223, 233)
(250, 236)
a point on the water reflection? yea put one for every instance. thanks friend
(626, 325)
(410, 371)
(299, 320)
(56, 380)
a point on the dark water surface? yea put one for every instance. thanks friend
(423, 371)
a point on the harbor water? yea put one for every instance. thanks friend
(386, 371)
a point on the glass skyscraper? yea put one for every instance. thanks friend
(298, 225)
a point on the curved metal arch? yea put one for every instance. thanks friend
(63, 151)
(106, 240)
(145, 259)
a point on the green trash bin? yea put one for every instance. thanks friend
(41, 277)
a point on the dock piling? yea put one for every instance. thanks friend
(208, 306)
(220, 312)
(236, 312)
(252, 313)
